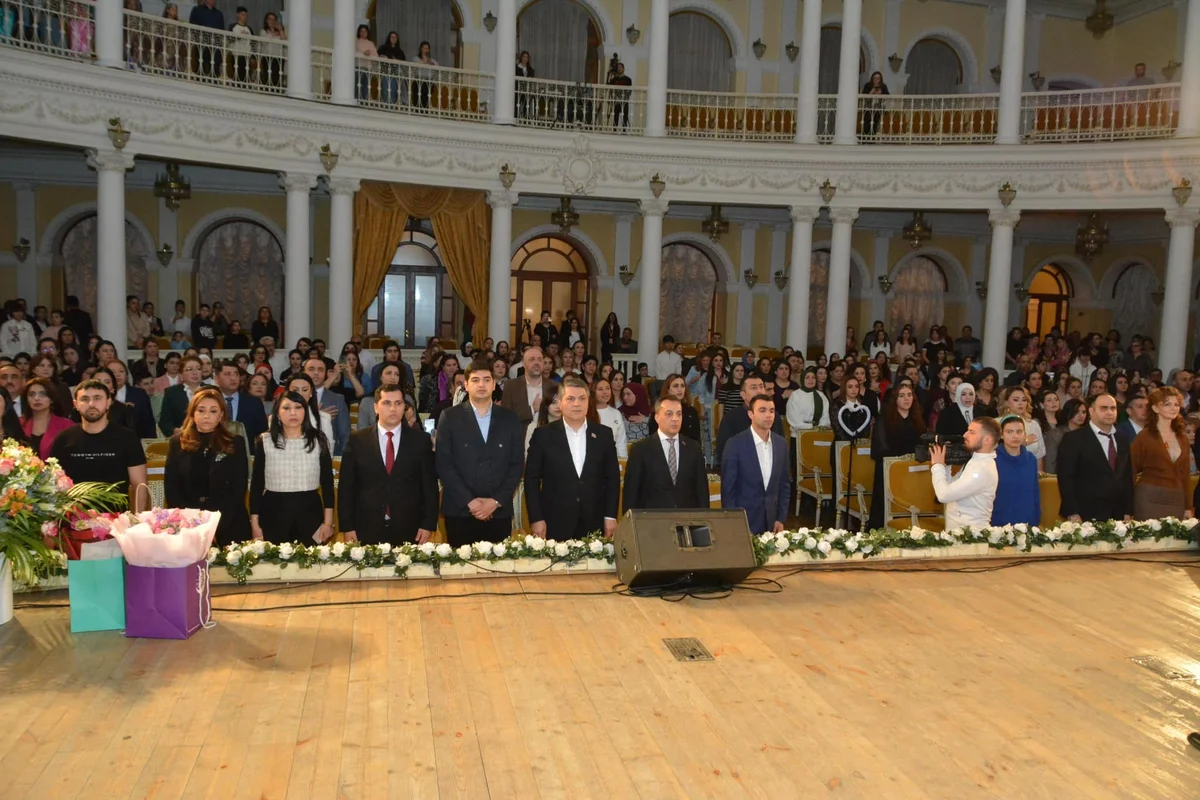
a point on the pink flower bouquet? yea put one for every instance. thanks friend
(166, 537)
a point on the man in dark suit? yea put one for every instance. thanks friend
(330, 402)
(242, 407)
(136, 400)
(387, 487)
(523, 396)
(734, 423)
(176, 398)
(572, 481)
(480, 455)
(1136, 408)
(1095, 476)
(77, 320)
(650, 481)
(546, 330)
(754, 470)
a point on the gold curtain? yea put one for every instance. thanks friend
(460, 223)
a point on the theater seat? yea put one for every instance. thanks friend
(909, 498)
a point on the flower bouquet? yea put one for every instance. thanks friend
(166, 537)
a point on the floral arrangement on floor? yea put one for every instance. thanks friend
(38, 505)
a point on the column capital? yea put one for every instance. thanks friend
(804, 213)
(342, 185)
(110, 160)
(656, 207)
(502, 198)
(843, 215)
(1004, 217)
(1178, 217)
(297, 181)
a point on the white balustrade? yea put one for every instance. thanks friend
(1101, 115)
(322, 73)
(57, 27)
(826, 117)
(726, 115)
(928, 119)
(593, 107)
(416, 88)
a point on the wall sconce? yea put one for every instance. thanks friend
(750, 277)
(895, 62)
(117, 133)
(1158, 296)
(657, 185)
(886, 283)
(1007, 194)
(489, 22)
(165, 254)
(781, 279)
(1021, 291)
(624, 274)
(507, 176)
(21, 250)
(1183, 192)
(996, 73)
(1037, 80)
(1169, 70)
(828, 190)
(632, 34)
(981, 289)
(792, 51)
(329, 159)
(759, 49)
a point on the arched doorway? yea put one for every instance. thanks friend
(563, 40)
(549, 273)
(918, 295)
(415, 300)
(934, 67)
(439, 22)
(831, 54)
(699, 55)
(239, 263)
(1048, 306)
(79, 250)
(688, 301)
(1134, 309)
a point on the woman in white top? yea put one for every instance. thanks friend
(880, 345)
(420, 89)
(602, 401)
(807, 407)
(302, 385)
(273, 53)
(363, 46)
(291, 462)
(1015, 400)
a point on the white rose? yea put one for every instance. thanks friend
(323, 552)
(286, 551)
(1120, 528)
(233, 558)
(427, 548)
(464, 552)
(802, 531)
(1021, 527)
(443, 550)
(538, 545)
(1155, 525)
(810, 543)
(561, 549)
(357, 553)
(867, 548)
(1191, 523)
(1022, 540)
(782, 543)
(499, 550)
(212, 554)
(259, 547)
(403, 559)
(824, 547)
(916, 533)
(484, 549)
(385, 549)
(852, 544)
(1087, 530)
(339, 549)
(946, 537)
(596, 547)
(766, 538)
(994, 535)
(609, 549)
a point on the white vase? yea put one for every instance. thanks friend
(6, 591)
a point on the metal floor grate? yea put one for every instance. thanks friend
(688, 649)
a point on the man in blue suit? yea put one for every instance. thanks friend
(754, 470)
(243, 407)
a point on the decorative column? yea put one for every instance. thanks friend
(110, 167)
(341, 260)
(1000, 286)
(1172, 338)
(343, 53)
(810, 67)
(168, 276)
(656, 87)
(297, 288)
(110, 25)
(799, 276)
(846, 128)
(504, 100)
(1012, 76)
(650, 279)
(500, 267)
(1189, 90)
(27, 270)
(837, 304)
(299, 49)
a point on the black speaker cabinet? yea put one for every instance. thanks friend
(683, 547)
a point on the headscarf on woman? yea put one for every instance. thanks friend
(641, 407)
(964, 388)
(818, 399)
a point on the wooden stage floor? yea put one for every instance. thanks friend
(1012, 684)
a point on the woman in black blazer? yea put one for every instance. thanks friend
(956, 416)
(207, 467)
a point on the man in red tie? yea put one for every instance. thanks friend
(387, 489)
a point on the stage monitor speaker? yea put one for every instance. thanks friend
(682, 547)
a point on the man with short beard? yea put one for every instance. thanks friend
(96, 451)
(524, 395)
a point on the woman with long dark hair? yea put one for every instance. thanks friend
(986, 384)
(42, 420)
(389, 89)
(675, 386)
(420, 89)
(291, 489)
(1074, 415)
(897, 434)
(303, 385)
(610, 332)
(264, 326)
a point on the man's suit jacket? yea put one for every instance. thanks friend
(648, 479)
(469, 467)
(742, 482)
(253, 415)
(341, 422)
(734, 422)
(516, 398)
(174, 409)
(367, 492)
(1126, 427)
(143, 414)
(570, 504)
(1087, 485)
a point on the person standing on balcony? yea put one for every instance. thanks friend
(1140, 78)
(621, 96)
(421, 88)
(873, 108)
(365, 48)
(207, 15)
(241, 45)
(390, 49)
(273, 53)
(524, 70)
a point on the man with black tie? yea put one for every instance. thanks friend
(241, 406)
(480, 455)
(666, 470)
(1095, 476)
(754, 470)
(572, 481)
(387, 488)
(330, 402)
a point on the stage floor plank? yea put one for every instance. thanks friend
(873, 684)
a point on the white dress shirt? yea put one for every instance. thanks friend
(970, 495)
(577, 442)
(382, 432)
(1103, 438)
(611, 418)
(532, 392)
(120, 395)
(666, 445)
(766, 457)
(666, 363)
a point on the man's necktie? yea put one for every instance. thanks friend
(390, 461)
(229, 405)
(672, 460)
(1112, 453)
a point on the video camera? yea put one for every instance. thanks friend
(957, 453)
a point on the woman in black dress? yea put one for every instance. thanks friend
(956, 416)
(897, 434)
(207, 467)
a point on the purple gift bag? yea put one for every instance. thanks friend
(166, 602)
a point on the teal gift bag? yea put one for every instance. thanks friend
(97, 590)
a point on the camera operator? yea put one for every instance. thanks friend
(969, 496)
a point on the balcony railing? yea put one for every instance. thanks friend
(593, 107)
(415, 88)
(724, 115)
(1101, 115)
(928, 119)
(60, 27)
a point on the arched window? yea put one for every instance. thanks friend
(1134, 311)
(699, 55)
(562, 39)
(239, 263)
(933, 68)
(549, 273)
(438, 22)
(416, 300)
(1050, 295)
(918, 295)
(831, 54)
(687, 304)
(78, 250)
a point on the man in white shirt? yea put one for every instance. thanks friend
(668, 361)
(1082, 367)
(969, 496)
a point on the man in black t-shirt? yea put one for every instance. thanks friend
(96, 451)
(204, 333)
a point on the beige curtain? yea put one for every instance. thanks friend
(240, 264)
(1135, 311)
(461, 224)
(689, 281)
(918, 296)
(79, 252)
